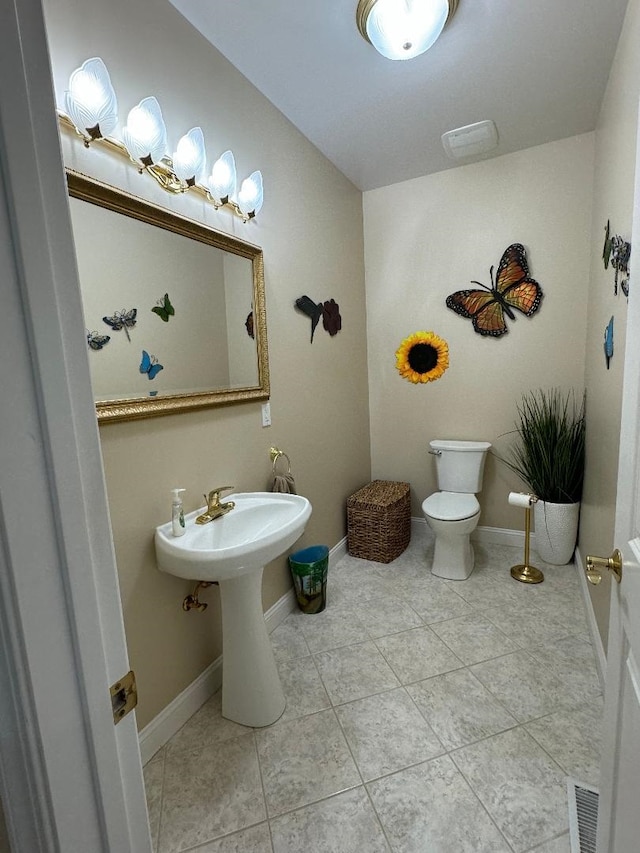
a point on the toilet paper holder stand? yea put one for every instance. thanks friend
(525, 572)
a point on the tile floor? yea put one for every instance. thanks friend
(423, 716)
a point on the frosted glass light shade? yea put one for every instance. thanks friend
(190, 158)
(222, 180)
(145, 134)
(90, 101)
(250, 197)
(402, 29)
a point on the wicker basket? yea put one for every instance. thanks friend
(379, 521)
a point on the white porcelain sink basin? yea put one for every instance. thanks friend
(232, 551)
(260, 527)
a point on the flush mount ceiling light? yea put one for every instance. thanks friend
(402, 29)
(92, 112)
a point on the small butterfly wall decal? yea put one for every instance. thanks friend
(606, 249)
(608, 342)
(312, 310)
(97, 341)
(164, 309)
(617, 251)
(122, 320)
(248, 324)
(150, 365)
(620, 254)
(329, 311)
(513, 288)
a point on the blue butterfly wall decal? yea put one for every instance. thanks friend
(122, 320)
(96, 341)
(608, 342)
(150, 365)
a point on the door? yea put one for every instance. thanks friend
(70, 781)
(618, 813)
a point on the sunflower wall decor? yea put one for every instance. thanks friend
(422, 357)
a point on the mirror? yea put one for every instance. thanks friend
(174, 310)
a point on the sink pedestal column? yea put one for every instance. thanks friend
(251, 691)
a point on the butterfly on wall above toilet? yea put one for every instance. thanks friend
(513, 288)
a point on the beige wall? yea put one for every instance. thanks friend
(311, 231)
(429, 237)
(613, 200)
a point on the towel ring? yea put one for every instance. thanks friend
(275, 454)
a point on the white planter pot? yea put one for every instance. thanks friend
(556, 527)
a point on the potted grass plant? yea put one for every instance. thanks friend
(548, 456)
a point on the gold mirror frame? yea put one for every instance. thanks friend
(93, 191)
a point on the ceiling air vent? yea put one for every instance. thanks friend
(471, 140)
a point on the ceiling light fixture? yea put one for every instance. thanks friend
(92, 113)
(402, 29)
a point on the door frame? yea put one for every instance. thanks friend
(70, 780)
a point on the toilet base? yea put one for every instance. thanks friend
(453, 558)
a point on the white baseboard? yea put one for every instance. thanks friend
(420, 526)
(485, 535)
(279, 611)
(596, 639)
(171, 719)
(502, 536)
(338, 552)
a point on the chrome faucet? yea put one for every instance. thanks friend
(215, 509)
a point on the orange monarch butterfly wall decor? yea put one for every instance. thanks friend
(513, 288)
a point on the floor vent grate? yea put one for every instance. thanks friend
(583, 816)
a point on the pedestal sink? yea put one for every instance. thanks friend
(233, 550)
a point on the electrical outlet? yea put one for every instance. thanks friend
(266, 414)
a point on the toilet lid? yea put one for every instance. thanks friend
(451, 506)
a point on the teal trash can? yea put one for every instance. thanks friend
(309, 571)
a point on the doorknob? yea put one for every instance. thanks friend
(595, 565)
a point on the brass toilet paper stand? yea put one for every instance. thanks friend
(525, 572)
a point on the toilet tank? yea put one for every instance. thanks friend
(459, 464)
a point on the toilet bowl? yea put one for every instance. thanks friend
(453, 512)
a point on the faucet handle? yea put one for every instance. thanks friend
(213, 499)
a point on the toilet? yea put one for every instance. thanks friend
(454, 511)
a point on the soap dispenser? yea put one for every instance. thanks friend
(177, 513)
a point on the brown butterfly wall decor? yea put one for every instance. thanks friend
(512, 288)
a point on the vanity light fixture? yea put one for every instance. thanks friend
(222, 180)
(189, 159)
(92, 112)
(250, 195)
(402, 29)
(91, 101)
(145, 135)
